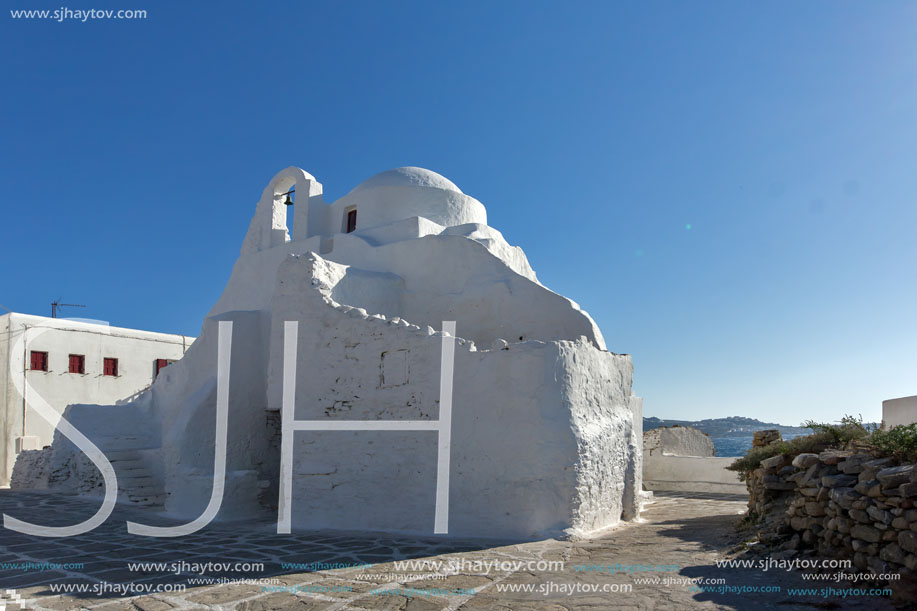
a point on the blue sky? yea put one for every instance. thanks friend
(727, 187)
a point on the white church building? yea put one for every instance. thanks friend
(543, 434)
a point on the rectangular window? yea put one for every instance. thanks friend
(39, 361)
(110, 367)
(351, 221)
(77, 363)
(160, 363)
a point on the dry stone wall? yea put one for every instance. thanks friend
(842, 504)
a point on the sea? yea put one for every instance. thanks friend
(737, 446)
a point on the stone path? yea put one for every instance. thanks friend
(681, 538)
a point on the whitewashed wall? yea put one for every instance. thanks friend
(691, 474)
(899, 411)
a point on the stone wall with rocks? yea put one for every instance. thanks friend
(841, 504)
(765, 437)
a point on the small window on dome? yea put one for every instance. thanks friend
(351, 221)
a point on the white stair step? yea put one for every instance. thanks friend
(119, 455)
(141, 493)
(134, 474)
(148, 500)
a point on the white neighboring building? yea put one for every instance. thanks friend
(66, 362)
(900, 411)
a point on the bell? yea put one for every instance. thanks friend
(288, 201)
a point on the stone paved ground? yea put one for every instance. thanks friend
(683, 530)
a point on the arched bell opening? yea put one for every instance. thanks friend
(284, 206)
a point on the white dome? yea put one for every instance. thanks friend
(408, 177)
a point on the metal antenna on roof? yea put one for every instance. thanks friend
(56, 305)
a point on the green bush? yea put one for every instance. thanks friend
(849, 429)
(899, 441)
(814, 443)
(754, 456)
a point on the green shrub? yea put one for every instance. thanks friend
(849, 429)
(818, 441)
(754, 456)
(899, 441)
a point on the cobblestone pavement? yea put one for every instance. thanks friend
(681, 535)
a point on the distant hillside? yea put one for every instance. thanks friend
(734, 426)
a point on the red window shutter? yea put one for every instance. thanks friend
(39, 360)
(110, 367)
(351, 221)
(160, 363)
